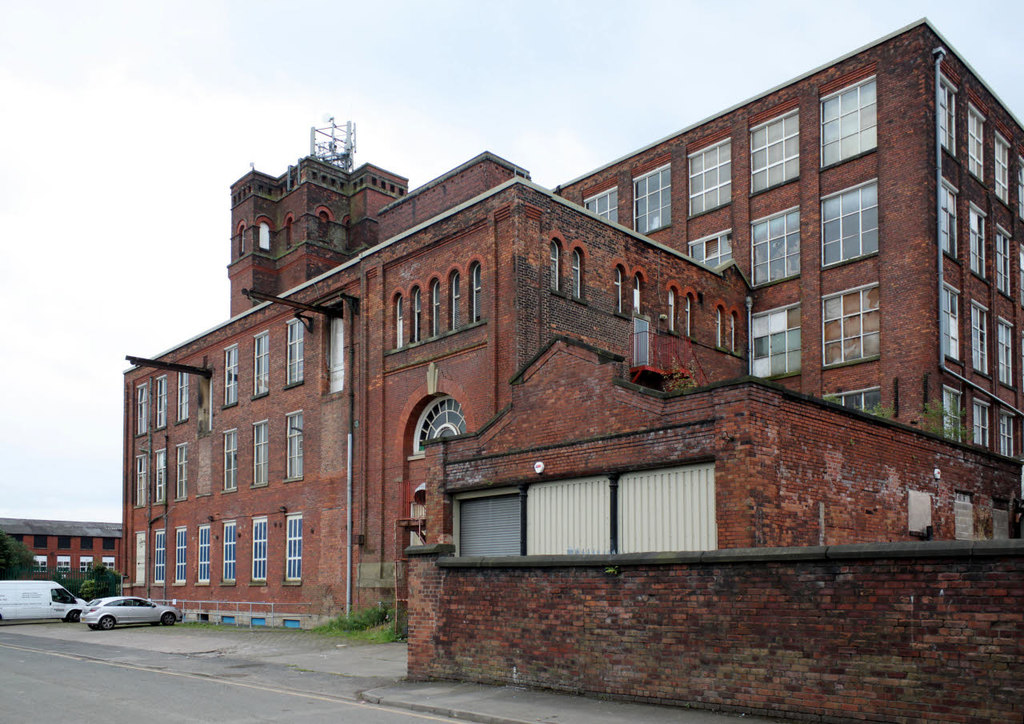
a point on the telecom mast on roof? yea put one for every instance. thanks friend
(334, 144)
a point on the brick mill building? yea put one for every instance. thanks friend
(797, 322)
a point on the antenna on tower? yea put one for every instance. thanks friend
(334, 144)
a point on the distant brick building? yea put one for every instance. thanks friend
(595, 350)
(67, 545)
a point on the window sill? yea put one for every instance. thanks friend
(259, 396)
(980, 373)
(260, 583)
(259, 485)
(847, 262)
(230, 583)
(773, 282)
(293, 480)
(229, 490)
(178, 584)
(1008, 386)
(297, 383)
(779, 185)
(851, 363)
(293, 582)
(417, 456)
(705, 212)
(666, 226)
(229, 405)
(841, 161)
(202, 584)
(181, 500)
(979, 277)
(428, 340)
(951, 257)
(180, 422)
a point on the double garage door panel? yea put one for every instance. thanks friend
(672, 509)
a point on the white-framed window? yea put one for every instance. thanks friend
(142, 409)
(864, 400)
(849, 224)
(718, 327)
(476, 310)
(1002, 261)
(455, 299)
(776, 341)
(652, 200)
(951, 322)
(713, 250)
(1006, 446)
(260, 449)
(732, 331)
(435, 308)
(293, 548)
(161, 401)
(1002, 165)
(980, 423)
(231, 375)
(39, 563)
(443, 418)
(947, 115)
(64, 564)
(851, 325)
(951, 412)
(948, 220)
(555, 266)
(775, 152)
(183, 386)
(159, 556)
(979, 337)
(296, 352)
(399, 323)
(710, 177)
(180, 554)
(1020, 186)
(1004, 350)
(293, 422)
(775, 244)
(230, 459)
(619, 281)
(848, 122)
(181, 472)
(203, 559)
(687, 309)
(636, 294)
(605, 204)
(671, 310)
(975, 141)
(259, 549)
(264, 236)
(577, 274)
(141, 479)
(228, 569)
(84, 564)
(108, 561)
(977, 222)
(417, 315)
(261, 363)
(160, 476)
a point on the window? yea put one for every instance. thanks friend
(435, 308)
(84, 542)
(1020, 272)
(1020, 186)
(181, 478)
(864, 400)
(109, 544)
(851, 323)
(417, 315)
(230, 459)
(261, 364)
(203, 561)
(296, 352)
(228, 573)
(718, 326)
(1002, 261)
(605, 204)
(64, 564)
(577, 274)
(710, 178)
(713, 250)
(475, 291)
(948, 220)
(293, 548)
(980, 423)
(652, 200)
(776, 342)
(775, 152)
(443, 418)
(39, 563)
(1004, 349)
(951, 413)
(1006, 434)
(180, 554)
(671, 310)
(618, 287)
(40, 541)
(108, 561)
(142, 409)
(776, 247)
(979, 338)
(231, 375)
(975, 141)
(84, 564)
(160, 483)
(1002, 164)
(399, 323)
(456, 298)
(732, 331)
(947, 116)
(687, 307)
(848, 123)
(264, 235)
(849, 224)
(63, 542)
(556, 254)
(260, 444)
(294, 425)
(183, 380)
(636, 294)
(159, 556)
(161, 401)
(141, 479)
(259, 549)
(977, 241)
(951, 322)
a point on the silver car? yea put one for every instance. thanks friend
(105, 613)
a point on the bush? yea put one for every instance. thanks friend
(375, 624)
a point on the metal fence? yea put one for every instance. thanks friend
(89, 584)
(251, 613)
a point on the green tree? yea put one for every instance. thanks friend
(13, 554)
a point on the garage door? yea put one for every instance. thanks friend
(489, 526)
(672, 509)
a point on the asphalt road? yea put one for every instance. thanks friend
(65, 672)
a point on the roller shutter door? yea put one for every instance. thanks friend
(489, 526)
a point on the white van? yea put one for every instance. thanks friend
(38, 599)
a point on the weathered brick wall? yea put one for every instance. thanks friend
(905, 632)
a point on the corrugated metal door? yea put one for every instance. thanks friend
(568, 517)
(671, 509)
(489, 526)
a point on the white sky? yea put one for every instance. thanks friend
(122, 126)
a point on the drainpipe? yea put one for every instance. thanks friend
(348, 453)
(750, 338)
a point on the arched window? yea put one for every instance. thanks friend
(241, 238)
(577, 273)
(435, 308)
(475, 285)
(443, 418)
(555, 254)
(636, 294)
(671, 310)
(399, 323)
(732, 331)
(288, 221)
(718, 326)
(689, 307)
(264, 236)
(456, 296)
(618, 289)
(417, 315)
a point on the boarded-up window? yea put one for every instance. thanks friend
(569, 517)
(919, 511)
(489, 526)
(1000, 519)
(672, 509)
(963, 511)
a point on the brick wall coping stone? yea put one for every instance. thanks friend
(855, 551)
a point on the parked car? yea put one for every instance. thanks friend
(105, 613)
(38, 599)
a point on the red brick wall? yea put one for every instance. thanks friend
(912, 633)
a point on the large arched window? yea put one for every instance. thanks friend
(435, 308)
(443, 418)
(555, 255)
(399, 323)
(475, 287)
(456, 297)
(577, 273)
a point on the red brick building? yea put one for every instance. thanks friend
(67, 545)
(594, 350)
